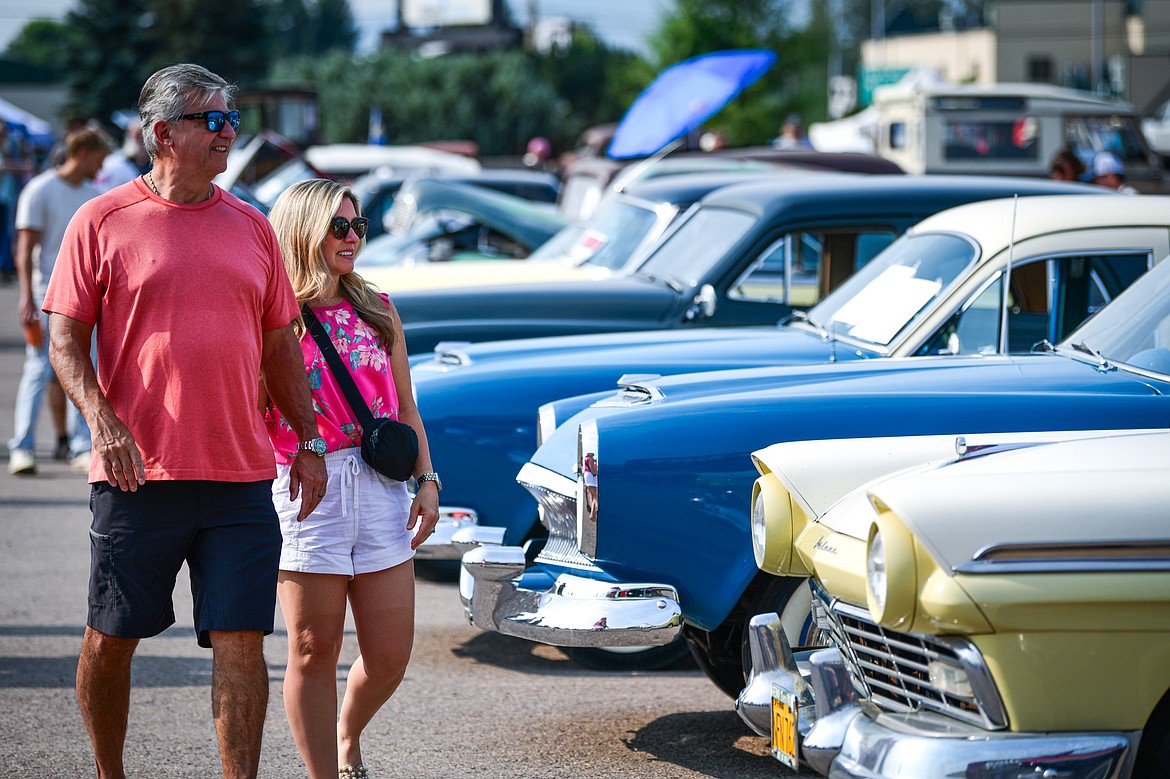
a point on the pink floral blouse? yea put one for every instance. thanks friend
(361, 350)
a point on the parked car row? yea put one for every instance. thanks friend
(645, 538)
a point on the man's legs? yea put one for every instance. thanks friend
(239, 699)
(29, 395)
(103, 693)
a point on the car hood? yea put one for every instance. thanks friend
(676, 350)
(970, 510)
(820, 473)
(870, 387)
(398, 279)
(630, 299)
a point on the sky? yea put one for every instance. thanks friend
(620, 23)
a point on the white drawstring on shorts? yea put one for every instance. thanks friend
(349, 481)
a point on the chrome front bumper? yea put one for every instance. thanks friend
(574, 611)
(844, 738)
(440, 545)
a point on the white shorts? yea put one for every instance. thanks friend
(358, 527)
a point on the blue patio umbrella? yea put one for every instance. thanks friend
(684, 96)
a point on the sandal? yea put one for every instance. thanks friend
(358, 771)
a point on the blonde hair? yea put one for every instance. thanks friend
(301, 217)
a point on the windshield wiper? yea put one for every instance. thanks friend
(802, 316)
(667, 280)
(1102, 363)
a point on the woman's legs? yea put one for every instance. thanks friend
(383, 613)
(313, 606)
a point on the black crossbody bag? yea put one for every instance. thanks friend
(389, 447)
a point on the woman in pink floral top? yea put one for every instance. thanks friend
(358, 544)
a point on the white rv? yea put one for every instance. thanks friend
(1006, 129)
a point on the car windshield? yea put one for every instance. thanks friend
(688, 254)
(886, 295)
(268, 189)
(608, 238)
(1134, 329)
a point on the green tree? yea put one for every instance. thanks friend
(495, 99)
(595, 83)
(119, 43)
(40, 43)
(104, 63)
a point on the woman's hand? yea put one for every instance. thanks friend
(424, 513)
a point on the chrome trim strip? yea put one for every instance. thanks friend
(1088, 557)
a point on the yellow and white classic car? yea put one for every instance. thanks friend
(998, 611)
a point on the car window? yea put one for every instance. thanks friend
(885, 295)
(991, 139)
(798, 268)
(605, 240)
(1135, 329)
(688, 255)
(1121, 135)
(1049, 298)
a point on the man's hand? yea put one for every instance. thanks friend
(115, 448)
(308, 477)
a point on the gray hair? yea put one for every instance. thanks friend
(166, 95)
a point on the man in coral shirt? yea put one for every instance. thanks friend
(191, 303)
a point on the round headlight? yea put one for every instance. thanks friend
(891, 572)
(759, 525)
(875, 571)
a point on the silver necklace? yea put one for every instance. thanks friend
(150, 181)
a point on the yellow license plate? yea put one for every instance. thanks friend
(784, 714)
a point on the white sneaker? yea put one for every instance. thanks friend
(79, 463)
(21, 462)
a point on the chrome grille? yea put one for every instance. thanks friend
(891, 668)
(558, 513)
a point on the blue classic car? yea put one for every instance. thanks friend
(717, 267)
(645, 493)
(480, 400)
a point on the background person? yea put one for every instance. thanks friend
(1108, 172)
(792, 134)
(191, 303)
(1066, 166)
(43, 210)
(127, 163)
(358, 543)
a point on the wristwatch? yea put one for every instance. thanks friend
(314, 445)
(430, 476)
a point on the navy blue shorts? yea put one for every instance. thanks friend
(226, 532)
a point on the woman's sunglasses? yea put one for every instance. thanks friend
(340, 226)
(215, 119)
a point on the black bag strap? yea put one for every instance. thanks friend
(340, 371)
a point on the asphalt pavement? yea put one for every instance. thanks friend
(472, 703)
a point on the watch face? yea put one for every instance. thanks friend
(318, 446)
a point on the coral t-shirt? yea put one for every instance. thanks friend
(181, 295)
(362, 352)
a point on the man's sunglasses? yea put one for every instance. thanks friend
(215, 119)
(340, 226)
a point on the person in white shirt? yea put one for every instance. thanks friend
(43, 210)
